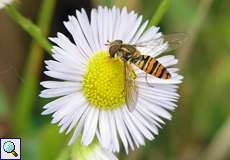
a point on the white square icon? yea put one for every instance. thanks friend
(10, 148)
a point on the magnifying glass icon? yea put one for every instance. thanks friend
(9, 147)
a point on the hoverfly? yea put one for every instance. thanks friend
(129, 54)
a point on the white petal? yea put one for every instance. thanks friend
(72, 117)
(139, 32)
(149, 35)
(63, 76)
(142, 128)
(94, 28)
(110, 26)
(147, 124)
(68, 60)
(121, 128)
(104, 129)
(74, 28)
(59, 84)
(116, 23)
(165, 104)
(69, 108)
(113, 129)
(105, 14)
(71, 49)
(62, 67)
(86, 29)
(57, 92)
(132, 32)
(136, 135)
(77, 115)
(79, 127)
(56, 104)
(100, 26)
(157, 95)
(127, 133)
(155, 109)
(90, 126)
(153, 116)
(153, 80)
(168, 60)
(159, 90)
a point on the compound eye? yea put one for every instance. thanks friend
(113, 50)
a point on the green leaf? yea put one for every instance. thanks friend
(33, 30)
(27, 95)
(160, 12)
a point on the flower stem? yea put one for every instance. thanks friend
(28, 91)
(161, 10)
(29, 26)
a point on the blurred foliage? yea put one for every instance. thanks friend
(204, 104)
(3, 103)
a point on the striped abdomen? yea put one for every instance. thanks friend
(151, 66)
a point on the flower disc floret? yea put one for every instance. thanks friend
(103, 83)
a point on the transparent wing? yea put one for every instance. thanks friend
(174, 41)
(130, 87)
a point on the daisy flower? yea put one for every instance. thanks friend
(3, 3)
(89, 85)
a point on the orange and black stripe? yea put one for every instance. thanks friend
(151, 66)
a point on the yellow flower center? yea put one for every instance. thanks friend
(103, 83)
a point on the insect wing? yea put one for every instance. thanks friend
(174, 41)
(130, 87)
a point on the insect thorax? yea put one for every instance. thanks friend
(124, 51)
(127, 52)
